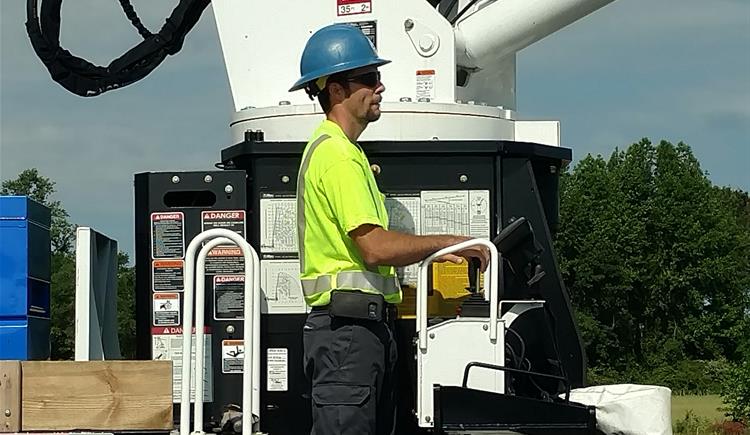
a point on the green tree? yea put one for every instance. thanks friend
(655, 258)
(41, 189)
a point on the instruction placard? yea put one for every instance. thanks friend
(277, 369)
(278, 225)
(229, 298)
(167, 275)
(167, 345)
(166, 309)
(232, 356)
(167, 235)
(282, 290)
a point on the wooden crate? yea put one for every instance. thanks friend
(96, 395)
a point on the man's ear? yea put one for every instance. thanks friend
(337, 92)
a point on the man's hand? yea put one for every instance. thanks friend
(480, 252)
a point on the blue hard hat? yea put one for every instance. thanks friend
(333, 49)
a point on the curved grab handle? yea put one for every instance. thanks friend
(490, 286)
(251, 323)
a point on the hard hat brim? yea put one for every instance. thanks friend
(345, 66)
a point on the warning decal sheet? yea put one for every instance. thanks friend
(167, 345)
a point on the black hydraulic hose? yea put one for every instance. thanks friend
(463, 11)
(127, 7)
(86, 79)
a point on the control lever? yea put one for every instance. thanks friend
(474, 265)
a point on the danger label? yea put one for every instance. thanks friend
(233, 220)
(229, 298)
(167, 275)
(167, 235)
(232, 356)
(425, 85)
(353, 7)
(166, 309)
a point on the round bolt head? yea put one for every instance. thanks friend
(463, 178)
(427, 418)
(485, 327)
(432, 335)
(7, 412)
(375, 169)
(228, 188)
(208, 178)
(426, 42)
(408, 24)
(284, 179)
(175, 179)
(230, 329)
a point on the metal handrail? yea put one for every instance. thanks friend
(251, 330)
(490, 286)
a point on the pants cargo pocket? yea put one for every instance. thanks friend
(343, 409)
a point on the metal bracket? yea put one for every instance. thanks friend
(425, 40)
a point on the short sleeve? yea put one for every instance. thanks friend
(349, 196)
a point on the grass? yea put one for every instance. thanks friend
(702, 406)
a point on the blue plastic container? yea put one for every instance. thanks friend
(25, 264)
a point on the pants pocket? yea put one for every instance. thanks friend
(343, 409)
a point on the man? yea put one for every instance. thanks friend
(347, 254)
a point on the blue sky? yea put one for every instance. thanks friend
(669, 69)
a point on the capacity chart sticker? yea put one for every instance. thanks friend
(353, 7)
(166, 309)
(278, 225)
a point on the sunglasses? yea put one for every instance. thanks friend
(369, 79)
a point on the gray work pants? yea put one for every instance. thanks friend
(351, 366)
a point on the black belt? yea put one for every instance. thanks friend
(358, 305)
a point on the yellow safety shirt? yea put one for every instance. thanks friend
(336, 193)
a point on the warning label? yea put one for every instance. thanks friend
(225, 259)
(425, 85)
(167, 345)
(167, 275)
(277, 369)
(167, 235)
(229, 299)
(353, 7)
(166, 309)
(232, 356)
